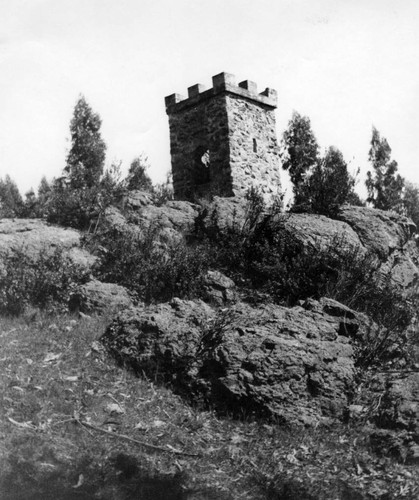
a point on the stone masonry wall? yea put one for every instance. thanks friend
(254, 150)
(193, 132)
(223, 140)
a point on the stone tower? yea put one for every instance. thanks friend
(223, 140)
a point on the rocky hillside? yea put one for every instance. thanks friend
(308, 361)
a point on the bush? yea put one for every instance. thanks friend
(73, 207)
(46, 282)
(82, 207)
(154, 270)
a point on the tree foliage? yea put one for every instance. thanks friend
(11, 202)
(86, 157)
(384, 185)
(301, 152)
(30, 205)
(411, 202)
(81, 196)
(44, 195)
(320, 184)
(329, 185)
(137, 175)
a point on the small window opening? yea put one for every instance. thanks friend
(255, 146)
(202, 166)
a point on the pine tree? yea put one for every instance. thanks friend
(86, 157)
(384, 185)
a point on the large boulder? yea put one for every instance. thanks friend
(136, 199)
(218, 289)
(295, 365)
(35, 237)
(96, 296)
(390, 401)
(170, 221)
(389, 236)
(380, 231)
(178, 216)
(384, 236)
(318, 232)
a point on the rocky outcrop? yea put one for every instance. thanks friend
(318, 232)
(171, 220)
(384, 236)
(136, 199)
(98, 297)
(388, 236)
(379, 231)
(173, 215)
(295, 365)
(35, 237)
(218, 289)
(390, 401)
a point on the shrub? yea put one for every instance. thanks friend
(82, 207)
(137, 175)
(154, 270)
(235, 244)
(45, 282)
(73, 207)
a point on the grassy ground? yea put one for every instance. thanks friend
(73, 425)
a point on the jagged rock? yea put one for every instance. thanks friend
(318, 232)
(389, 236)
(95, 296)
(35, 236)
(173, 215)
(227, 211)
(291, 364)
(114, 218)
(218, 288)
(397, 415)
(380, 231)
(354, 325)
(172, 220)
(385, 236)
(136, 199)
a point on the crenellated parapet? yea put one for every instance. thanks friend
(223, 139)
(222, 83)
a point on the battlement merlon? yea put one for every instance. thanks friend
(222, 83)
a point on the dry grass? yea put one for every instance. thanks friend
(55, 376)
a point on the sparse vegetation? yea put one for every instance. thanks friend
(154, 269)
(44, 281)
(55, 376)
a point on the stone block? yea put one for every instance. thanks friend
(196, 89)
(223, 79)
(249, 85)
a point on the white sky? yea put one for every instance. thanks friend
(347, 64)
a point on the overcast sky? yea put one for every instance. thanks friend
(347, 64)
